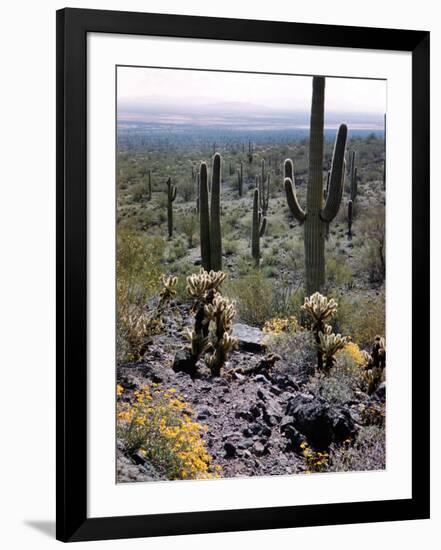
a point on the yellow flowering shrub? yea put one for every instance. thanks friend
(158, 424)
(352, 352)
(316, 461)
(278, 325)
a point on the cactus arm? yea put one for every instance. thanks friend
(204, 218)
(333, 199)
(263, 227)
(293, 202)
(288, 170)
(215, 223)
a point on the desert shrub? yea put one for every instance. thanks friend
(342, 381)
(187, 190)
(138, 268)
(350, 355)
(158, 424)
(316, 461)
(362, 317)
(177, 250)
(138, 191)
(138, 265)
(279, 325)
(254, 296)
(368, 452)
(373, 253)
(374, 414)
(297, 349)
(230, 246)
(189, 226)
(338, 273)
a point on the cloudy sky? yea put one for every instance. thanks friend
(142, 90)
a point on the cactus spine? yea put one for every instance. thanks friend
(209, 217)
(258, 228)
(316, 216)
(171, 196)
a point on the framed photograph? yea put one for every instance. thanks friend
(242, 232)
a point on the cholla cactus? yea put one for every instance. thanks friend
(197, 340)
(379, 353)
(373, 378)
(200, 283)
(221, 312)
(219, 315)
(320, 309)
(213, 325)
(330, 343)
(168, 290)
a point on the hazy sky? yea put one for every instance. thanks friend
(144, 86)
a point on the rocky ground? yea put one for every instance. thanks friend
(256, 414)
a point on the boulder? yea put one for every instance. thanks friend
(185, 362)
(321, 423)
(250, 338)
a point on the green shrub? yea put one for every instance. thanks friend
(361, 317)
(254, 296)
(338, 273)
(368, 452)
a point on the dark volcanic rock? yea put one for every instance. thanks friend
(321, 423)
(380, 392)
(230, 449)
(184, 362)
(250, 338)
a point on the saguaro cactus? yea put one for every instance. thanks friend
(316, 216)
(384, 162)
(354, 187)
(250, 152)
(350, 218)
(240, 180)
(209, 217)
(198, 176)
(215, 223)
(258, 227)
(171, 196)
(264, 189)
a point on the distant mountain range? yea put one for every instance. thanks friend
(234, 115)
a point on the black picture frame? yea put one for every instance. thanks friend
(71, 428)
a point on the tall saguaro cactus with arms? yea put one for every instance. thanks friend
(316, 215)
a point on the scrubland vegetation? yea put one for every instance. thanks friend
(218, 237)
